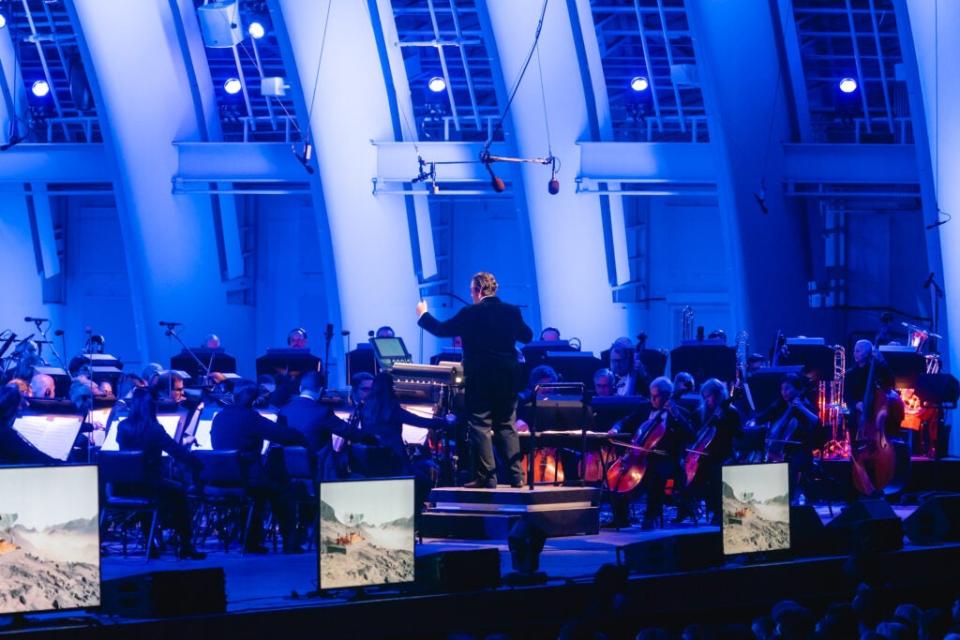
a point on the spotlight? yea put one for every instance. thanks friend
(232, 86)
(437, 84)
(256, 30)
(3, 21)
(40, 88)
(639, 84)
(848, 85)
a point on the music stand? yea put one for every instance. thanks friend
(290, 362)
(560, 401)
(814, 358)
(608, 410)
(534, 353)
(905, 364)
(765, 384)
(573, 366)
(704, 361)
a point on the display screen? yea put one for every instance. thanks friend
(366, 533)
(756, 508)
(390, 347)
(49, 539)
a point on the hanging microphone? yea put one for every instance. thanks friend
(553, 187)
(58, 332)
(497, 183)
(29, 319)
(305, 158)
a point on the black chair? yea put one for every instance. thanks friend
(226, 507)
(127, 493)
(301, 472)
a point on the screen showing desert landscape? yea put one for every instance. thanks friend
(756, 508)
(49, 539)
(366, 533)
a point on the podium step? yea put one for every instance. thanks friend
(487, 514)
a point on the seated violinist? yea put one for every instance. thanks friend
(717, 425)
(661, 437)
(794, 430)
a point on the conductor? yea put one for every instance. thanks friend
(490, 329)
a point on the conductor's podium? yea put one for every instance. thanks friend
(487, 514)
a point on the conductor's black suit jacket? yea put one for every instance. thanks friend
(489, 331)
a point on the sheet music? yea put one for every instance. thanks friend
(412, 434)
(202, 441)
(52, 434)
(169, 422)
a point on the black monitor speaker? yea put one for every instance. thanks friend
(936, 520)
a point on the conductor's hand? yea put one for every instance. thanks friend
(421, 308)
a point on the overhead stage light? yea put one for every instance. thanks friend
(437, 84)
(40, 88)
(256, 30)
(639, 84)
(3, 21)
(232, 86)
(848, 85)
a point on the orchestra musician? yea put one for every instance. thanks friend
(240, 427)
(142, 432)
(490, 329)
(603, 383)
(43, 386)
(715, 412)
(855, 382)
(550, 334)
(630, 376)
(297, 339)
(799, 426)
(662, 464)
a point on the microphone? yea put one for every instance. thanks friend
(170, 325)
(344, 333)
(553, 187)
(29, 319)
(305, 158)
(497, 183)
(328, 334)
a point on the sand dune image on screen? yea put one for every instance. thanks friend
(366, 533)
(49, 539)
(756, 508)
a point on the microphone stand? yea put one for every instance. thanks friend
(171, 333)
(327, 338)
(43, 334)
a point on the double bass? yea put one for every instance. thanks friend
(873, 458)
(627, 472)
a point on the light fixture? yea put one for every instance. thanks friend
(232, 86)
(3, 21)
(848, 85)
(437, 84)
(639, 84)
(256, 30)
(40, 88)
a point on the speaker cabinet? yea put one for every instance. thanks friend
(220, 24)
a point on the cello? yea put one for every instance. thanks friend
(873, 458)
(705, 436)
(627, 472)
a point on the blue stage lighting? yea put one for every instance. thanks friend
(40, 88)
(639, 84)
(437, 84)
(848, 85)
(256, 30)
(3, 21)
(232, 86)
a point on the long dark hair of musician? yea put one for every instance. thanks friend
(382, 401)
(143, 409)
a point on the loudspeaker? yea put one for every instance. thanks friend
(807, 533)
(667, 554)
(458, 570)
(166, 593)
(220, 23)
(868, 525)
(936, 520)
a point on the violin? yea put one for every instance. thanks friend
(627, 472)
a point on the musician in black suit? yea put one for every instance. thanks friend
(307, 415)
(240, 427)
(490, 329)
(661, 465)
